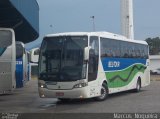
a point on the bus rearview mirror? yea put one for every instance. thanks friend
(86, 53)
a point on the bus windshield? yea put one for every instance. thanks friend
(5, 40)
(19, 50)
(61, 58)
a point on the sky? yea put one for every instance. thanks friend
(75, 15)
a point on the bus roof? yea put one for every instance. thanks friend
(103, 34)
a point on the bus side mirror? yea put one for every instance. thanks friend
(86, 53)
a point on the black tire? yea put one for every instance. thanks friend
(138, 86)
(104, 93)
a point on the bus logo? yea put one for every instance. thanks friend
(113, 64)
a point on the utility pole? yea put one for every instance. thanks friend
(127, 18)
(51, 27)
(92, 17)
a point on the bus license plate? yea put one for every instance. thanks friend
(59, 94)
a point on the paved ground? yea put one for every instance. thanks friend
(27, 100)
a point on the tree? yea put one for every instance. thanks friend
(154, 45)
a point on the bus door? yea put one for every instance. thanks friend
(93, 65)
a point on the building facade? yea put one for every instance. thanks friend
(22, 16)
(154, 61)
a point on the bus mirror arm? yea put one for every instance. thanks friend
(86, 53)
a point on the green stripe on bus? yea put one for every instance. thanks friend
(122, 78)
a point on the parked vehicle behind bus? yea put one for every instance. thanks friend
(21, 65)
(7, 60)
(34, 55)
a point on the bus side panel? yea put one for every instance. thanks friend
(146, 77)
(26, 68)
(5, 76)
(21, 65)
(13, 61)
(6, 71)
(122, 73)
(7, 61)
(19, 73)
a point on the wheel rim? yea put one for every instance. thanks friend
(103, 92)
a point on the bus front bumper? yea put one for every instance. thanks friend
(72, 94)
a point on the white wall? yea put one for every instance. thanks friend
(154, 61)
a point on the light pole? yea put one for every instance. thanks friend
(92, 17)
(51, 26)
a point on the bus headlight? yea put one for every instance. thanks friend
(42, 85)
(80, 85)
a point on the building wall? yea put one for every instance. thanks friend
(154, 62)
(30, 10)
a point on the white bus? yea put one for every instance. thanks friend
(34, 62)
(28, 56)
(21, 65)
(91, 64)
(34, 55)
(7, 61)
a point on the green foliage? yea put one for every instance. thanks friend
(154, 45)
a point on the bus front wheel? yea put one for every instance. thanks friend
(138, 86)
(104, 93)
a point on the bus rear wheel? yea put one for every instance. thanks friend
(138, 86)
(104, 93)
